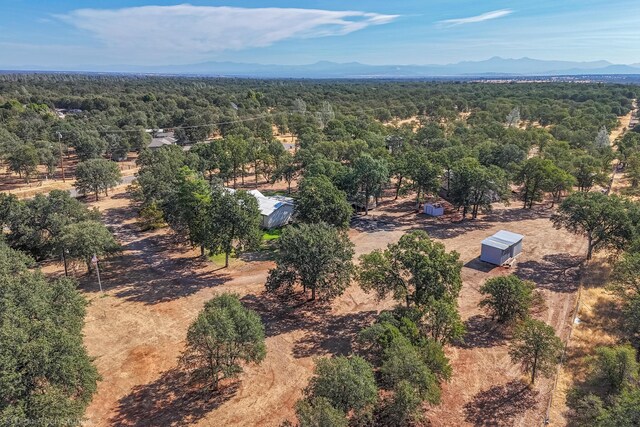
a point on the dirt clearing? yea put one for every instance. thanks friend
(155, 289)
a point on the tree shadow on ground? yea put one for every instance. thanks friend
(171, 400)
(154, 269)
(596, 272)
(333, 334)
(482, 332)
(402, 205)
(125, 195)
(500, 404)
(371, 225)
(515, 215)
(266, 254)
(284, 313)
(451, 230)
(607, 315)
(324, 332)
(556, 273)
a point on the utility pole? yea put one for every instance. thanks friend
(61, 158)
(94, 260)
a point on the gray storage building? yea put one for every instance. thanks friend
(501, 247)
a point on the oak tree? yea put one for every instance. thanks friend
(224, 335)
(316, 256)
(413, 270)
(97, 175)
(536, 348)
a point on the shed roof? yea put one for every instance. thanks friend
(503, 239)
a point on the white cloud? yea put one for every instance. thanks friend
(187, 31)
(478, 18)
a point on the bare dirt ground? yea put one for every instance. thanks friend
(154, 290)
(288, 140)
(12, 183)
(414, 121)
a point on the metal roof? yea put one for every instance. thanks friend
(267, 204)
(503, 239)
(160, 142)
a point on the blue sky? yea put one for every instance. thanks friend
(65, 33)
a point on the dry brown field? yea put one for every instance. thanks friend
(136, 329)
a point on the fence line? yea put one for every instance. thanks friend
(576, 310)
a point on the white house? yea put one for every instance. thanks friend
(501, 247)
(276, 211)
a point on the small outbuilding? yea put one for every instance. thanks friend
(434, 209)
(501, 247)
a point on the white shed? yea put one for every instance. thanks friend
(501, 247)
(434, 209)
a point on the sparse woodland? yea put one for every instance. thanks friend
(471, 144)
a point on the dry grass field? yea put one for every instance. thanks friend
(154, 290)
(12, 183)
(598, 311)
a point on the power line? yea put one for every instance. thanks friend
(246, 119)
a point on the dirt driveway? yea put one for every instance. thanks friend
(155, 289)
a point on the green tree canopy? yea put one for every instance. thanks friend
(286, 170)
(46, 375)
(317, 256)
(602, 219)
(347, 383)
(441, 320)
(423, 173)
(404, 325)
(534, 177)
(318, 412)
(97, 175)
(82, 240)
(559, 182)
(404, 408)
(158, 172)
(536, 348)
(507, 298)
(588, 172)
(632, 169)
(320, 201)
(369, 175)
(224, 334)
(187, 208)
(401, 362)
(474, 187)
(615, 368)
(237, 148)
(234, 222)
(23, 160)
(414, 270)
(35, 225)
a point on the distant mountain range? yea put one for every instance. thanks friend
(494, 67)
